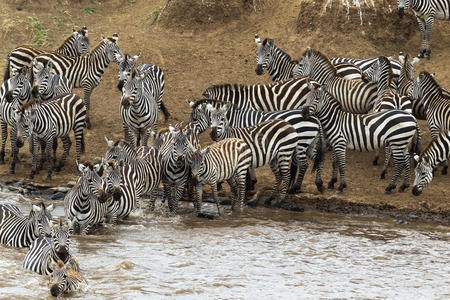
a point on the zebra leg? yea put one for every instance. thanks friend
(251, 179)
(146, 136)
(14, 150)
(66, 146)
(234, 191)
(387, 158)
(444, 168)
(302, 167)
(164, 111)
(423, 37)
(428, 27)
(276, 171)
(334, 172)
(4, 126)
(87, 88)
(340, 161)
(407, 167)
(51, 162)
(398, 166)
(153, 196)
(214, 192)
(241, 191)
(34, 154)
(319, 181)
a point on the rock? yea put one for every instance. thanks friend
(35, 193)
(401, 222)
(57, 196)
(61, 189)
(71, 183)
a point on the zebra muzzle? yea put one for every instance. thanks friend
(259, 70)
(120, 84)
(117, 193)
(126, 102)
(63, 254)
(55, 290)
(102, 196)
(306, 111)
(35, 91)
(416, 191)
(401, 11)
(9, 96)
(214, 135)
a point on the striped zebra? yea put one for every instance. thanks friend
(139, 105)
(47, 250)
(85, 71)
(14, 92)
(142, 171)
(228, 160)
(75, 45)
(426, 12)
(126, 67)
(51, 120)
(438, 151)
(17, 230)
(365, 63)
(272, 143)
(281, 95)
(395, 128)
(65, 279)
(48, 85)
(83, 204)
(307, 129)
(437, 106)
(355, 96)
(280, 66)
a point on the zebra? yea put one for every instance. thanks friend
(81, 203)
(45, 250)
(279, 64)
(47, 122)
(228, 160)
(65, 279)
(437, 106)
(14, 92)
(85, 71)
(272, 142)
(426, 12)
(126, 67)
(307, 129)
(17, 230)
(438, 151)
(48, 85)
(75, 45)
(139, 106)
(395, 128)
(355, 96)
(281, 95)
(142, 171)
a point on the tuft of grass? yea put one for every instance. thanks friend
(154, 16)
(90, 10)
(40, 33)
(60, 19)
(131, 2)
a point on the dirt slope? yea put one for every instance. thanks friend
(209, 42)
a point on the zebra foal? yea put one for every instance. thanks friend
(64, 279)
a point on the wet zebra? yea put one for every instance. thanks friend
(272, 143)
(48, 85)
(17, 230)
(364, 133)
(85, 71)
(281, 95)
(14, 92)
(126, 67)
(355, 96)
(438, 151)
(51, 120)
(228, 160)
(308, 131)
(84, 203)
(47, 250)
(426, 12)
(75, 45)
(139, 105)
(280, 66)
(65, 279)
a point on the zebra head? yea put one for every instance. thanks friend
(424, 174)
(408, 65)
(44, 79)
(402, 6)
(219, 121)
(380, 67)
(113, 179)
(423, 87)
(263, 54)
(314, 100)
(126, 67)
(64, 278)
(196, 160)
(199, 115)
(41, 216)
(82, 43)
(113, 51)
(91, 182)
(19, 87)
(25, 118)
(132, 89)
(61, 241)
(180, 143)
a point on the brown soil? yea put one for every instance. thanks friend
(203, 42)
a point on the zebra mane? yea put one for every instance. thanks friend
(433, 81)
(80, 31)
(202, 101)
(388, 63)
(28, 104)
(323, 58)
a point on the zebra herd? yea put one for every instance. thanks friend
(313, 105)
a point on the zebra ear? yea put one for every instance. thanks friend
(205, 151)
(120, 145)
(36, 208)
(110, 143)
(85, 29)
(115, 37)
(257, 40)
(81, 167)
(209, 107)
(310, 85)
(50, 208)
(401, 58)
(426, 159)
(307, 52)
(416, 158)
(49, 64)
(136, 57)
(191, 103)
(415, 61)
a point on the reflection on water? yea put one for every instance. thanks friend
(260, 254)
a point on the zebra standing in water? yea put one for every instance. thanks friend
(272, 143)
(363, 133)
(75, 45)
(281, 95)
(16, 230)
(279, 64)
(228, 160)
(14, 92)
(85, 71)
(45, 251)
(436, 105)
(308, 130)
(47, 122)
(126, 67)
(139, 106)
(48, 85)
(426, 11)
(438, 151)
(65, 279)
(355, 96)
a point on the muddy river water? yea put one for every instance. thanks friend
(260, 254)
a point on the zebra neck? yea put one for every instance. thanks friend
(280, 61)
(99, 57)
(431, 97)
(383, 86)
(330, 113)
(67, 46)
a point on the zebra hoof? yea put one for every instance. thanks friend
(19, 144)
(11, 171)
(294, 190)
(331, 185)
(375, 162)
(388, 191)
(48, 178)
(444, 171)
(31, 176)
(383, 175)
(320, 188)
(88, 125)
(403, 188)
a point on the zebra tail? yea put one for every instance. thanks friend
(418, 145)
(83, 146)
(294, 168)
(320, 154)
(8, 63)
